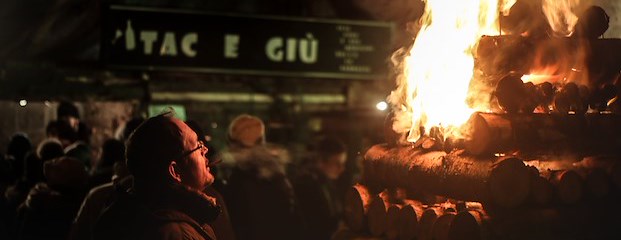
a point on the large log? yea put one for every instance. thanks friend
(504, 182)
(490, 133)
(356, 207)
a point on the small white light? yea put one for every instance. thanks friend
(23, 102)
(381, 106)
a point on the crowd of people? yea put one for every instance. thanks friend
(162, 179)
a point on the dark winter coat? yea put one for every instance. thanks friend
(94, 203)
(319, 203)
(260, 197)
(47, 213)
(170, 212)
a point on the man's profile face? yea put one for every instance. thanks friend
(194, 170)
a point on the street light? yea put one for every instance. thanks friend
(381, 106)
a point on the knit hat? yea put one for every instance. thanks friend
(247, 130)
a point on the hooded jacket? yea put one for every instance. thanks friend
(170, 212)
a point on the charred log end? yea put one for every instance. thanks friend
(569, 187)
(510, 93)
(377, 216)
(392, 221)
(357, 200)
(509, 183)
(592, 23)
(597, 184)
(429, 217)
(409, 217)
(441, 226)
(466, 226)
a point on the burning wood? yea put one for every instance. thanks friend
(592, 63)
(433, 149)
(503, 182)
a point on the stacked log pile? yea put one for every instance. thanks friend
(418, 220)
(507, 185)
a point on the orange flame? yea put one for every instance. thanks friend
(438, 69)
(546, 74)
(560, 14)
(440, 64)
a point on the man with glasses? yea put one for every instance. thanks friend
(170, 170)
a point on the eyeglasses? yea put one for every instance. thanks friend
(201, 145)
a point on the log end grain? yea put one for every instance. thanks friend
(442, 225)
(541, 191)
(487, 133)
(509, 182)
(510, 93)
(479, 135)
(392, 221)
(357, 200)
(409, 217)
(569, 188)
(466, 226)
(429, 217)
(376, 216)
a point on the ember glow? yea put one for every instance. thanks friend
(437, 72)
(548, 74)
